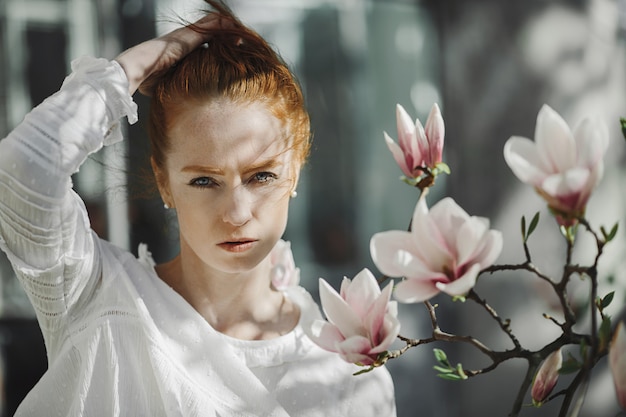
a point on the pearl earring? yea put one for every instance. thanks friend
(165, 206)
(294, 194)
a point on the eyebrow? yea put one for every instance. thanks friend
(262, 166)
(203, 169)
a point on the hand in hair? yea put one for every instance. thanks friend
(159, 54)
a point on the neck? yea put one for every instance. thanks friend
(241, 305)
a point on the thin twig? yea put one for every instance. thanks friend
(526, 266)
(523, 389)
(505, 325)
(569, 392)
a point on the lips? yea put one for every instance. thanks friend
(238, 245)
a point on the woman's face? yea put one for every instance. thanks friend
(229, 176)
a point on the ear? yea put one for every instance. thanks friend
(296, 177)
(162, 182)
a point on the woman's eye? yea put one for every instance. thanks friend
(202, 182)
(264, 177)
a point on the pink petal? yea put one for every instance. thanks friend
(435, 132)
(407, 135)
(284, 273)
(594, 177)
(547, 376)
(422, 143)
(567, 183)
(415, 290)
(555, 142)
(491, 250)
(362, 292)
(521, 156)
(345, 284)
(449, 218)
(592, 141)
(355, 349)
(478, 244)
(429, 241)
(471, 239)
(463, 284)
(388, 334)
(375, 317)
(295, 278)
(392, 308)
(448, 213)
(398, 155)
(338, 312)
(391, 254)
(325, 335)
(617, 362)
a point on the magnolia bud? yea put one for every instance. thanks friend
(546, 377)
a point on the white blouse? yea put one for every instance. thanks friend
(120, 342)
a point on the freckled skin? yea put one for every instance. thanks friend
(228, 175)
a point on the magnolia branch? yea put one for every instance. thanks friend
(437, 334)
(418, 153)
(534, 358)
(505, 325)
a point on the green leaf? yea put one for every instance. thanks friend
(443, 370)
(363, 371)
(608, 237)
(622, 122)
(450, 377)
(604, 334)
(533, 224)
(606, 301)
(460, 372)
(605, 327)
(569, 366)
(442, 167)
(569, 232)
(523, 227)
(441, 357)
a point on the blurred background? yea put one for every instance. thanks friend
(489, 64)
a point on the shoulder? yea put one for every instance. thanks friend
(118, 262)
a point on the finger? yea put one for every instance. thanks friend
(195, 34)
(182, 41)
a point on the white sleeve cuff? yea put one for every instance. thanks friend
(109, 79)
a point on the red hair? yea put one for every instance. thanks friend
(235, 64)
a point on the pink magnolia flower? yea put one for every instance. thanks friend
(564, 167)
(362, 322)
(444, 251)
(617, 362)
(284, 273)
(546, 377)
(417, 147)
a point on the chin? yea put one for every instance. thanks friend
(241, 263)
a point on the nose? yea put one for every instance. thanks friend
(237, 207)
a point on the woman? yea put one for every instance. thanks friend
(204, 334)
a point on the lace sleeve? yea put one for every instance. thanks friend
(44, 227)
